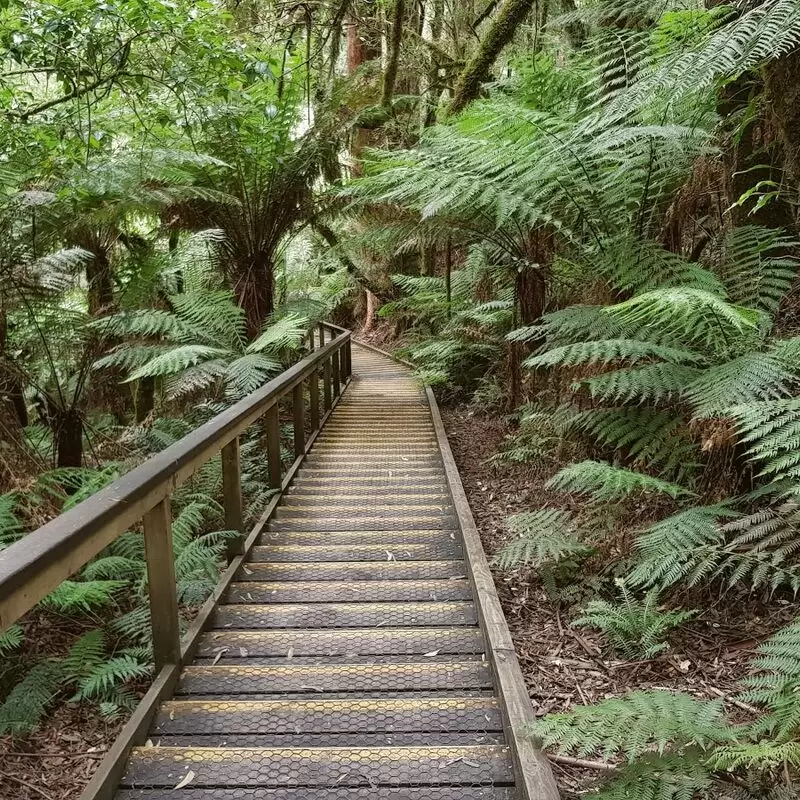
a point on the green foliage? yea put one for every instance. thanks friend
(635, 627)
(27, 702)
(87, 596)
(11, 640)
(603, 482)
(10, 526)
(635, 725)
(543, 539)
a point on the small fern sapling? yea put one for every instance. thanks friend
(635, 627)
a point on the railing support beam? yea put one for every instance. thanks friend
(232, 495)
(299, 419)
(313, 391)
(272, 423)
(161, 585)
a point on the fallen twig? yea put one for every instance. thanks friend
(30, 786)
(569, 761)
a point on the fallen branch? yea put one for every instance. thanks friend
(568, 761)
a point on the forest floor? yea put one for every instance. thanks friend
(565, 667)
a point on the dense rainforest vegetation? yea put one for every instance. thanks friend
(579, 214)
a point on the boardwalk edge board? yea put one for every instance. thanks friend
(535, 780)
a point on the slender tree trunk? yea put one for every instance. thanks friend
(427, 260)
(100, 295)
(393, 60)
(782, 85)
(255, 292)
(468, 85)
(67, 428)
(145, 398)
(373, 304)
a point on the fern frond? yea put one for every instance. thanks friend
(103, 680)
(27, 702)
(747, 379)
(686, 546)
(546, 536)
(636, 724)
(605, 482)
(772, 429)
(635, 627)
(11, 639)
(608, 350)
(658, 439)
(665, 777)
(692, 316)
(88, 596)
(659, 382)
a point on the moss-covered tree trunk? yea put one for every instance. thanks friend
(393, 61)
(476, 71)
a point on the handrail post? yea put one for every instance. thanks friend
(321, 334)
(335, 366)
(161, 585)
(349, 357)
(313, 391)
(272, 422)
(326, 384)
(232, 494)
(311, 341)
(299, 418)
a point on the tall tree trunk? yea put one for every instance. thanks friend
(782, 84)
(255, 292)
(476, 71)
(752, 155)
(373, 304)
(67, 426)
(100, 294)
(393, 60)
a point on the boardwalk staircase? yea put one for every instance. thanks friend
(354, 649)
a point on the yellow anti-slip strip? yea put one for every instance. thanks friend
(333, 705)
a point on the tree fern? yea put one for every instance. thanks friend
(772, 430)
(749, 378)
(605, 482)
(27, 702)
(756, 271)
(607, 351)
(645, 436)
(82, 596)
(686, 546)
(639, 723)
(544, 537)
(635, 627)
(693, 316)
(658, 382)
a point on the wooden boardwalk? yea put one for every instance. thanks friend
(350, 657)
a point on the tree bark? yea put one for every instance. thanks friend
(67, 427)
(254, 287)
(100, 295)
(782, 90)
(395, 41)
(468, 85)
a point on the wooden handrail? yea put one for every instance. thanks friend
(32, 567)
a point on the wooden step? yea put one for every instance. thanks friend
(347, 643)
(317, 767)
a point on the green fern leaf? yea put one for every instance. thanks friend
(605, 482)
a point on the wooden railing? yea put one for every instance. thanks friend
(32, 567)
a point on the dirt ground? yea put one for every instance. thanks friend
(565, 667)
